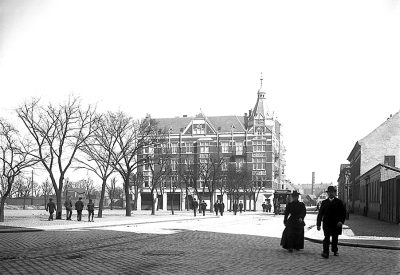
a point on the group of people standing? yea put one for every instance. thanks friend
(266, 206)
(331, 215)
(51, 207)
(219, 207)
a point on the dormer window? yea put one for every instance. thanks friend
(199, 129)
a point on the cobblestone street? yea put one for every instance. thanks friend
(178, 248)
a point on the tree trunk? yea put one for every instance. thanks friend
(59, 204)
(2, 202)
(153, 203)
(136, 197)
(128, 206)
(101, 203)
(172, 201)
(211, 202)
(24, 202)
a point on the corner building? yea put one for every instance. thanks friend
(253, 140)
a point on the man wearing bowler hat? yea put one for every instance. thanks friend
(332, 213)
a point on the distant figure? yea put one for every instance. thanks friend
(90, 208)
(293, 234)
(203, 207)
(235, 207)
(79, 208)
(332, 213)
(268, 207)
(264, 207)
(221, 208)
(216, 207)
(195, 204)
(51, 207)
(240, 206)
(68, 208)
(318, 205)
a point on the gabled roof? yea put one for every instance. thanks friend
(223, 124)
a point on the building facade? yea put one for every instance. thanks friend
(380, 148)
(251, 143)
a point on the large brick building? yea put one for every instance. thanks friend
(252, 141)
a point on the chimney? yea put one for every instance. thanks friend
(184, 115)
(312, 183)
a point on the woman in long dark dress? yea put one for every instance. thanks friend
(293, 235)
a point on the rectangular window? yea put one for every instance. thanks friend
(173, 164)
(390, 161)
(225, 147)
(239, 148)
(174, 148)
(204, 147)
(259, 145)
(258, 163)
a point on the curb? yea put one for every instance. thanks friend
(376, 246)
(27, 229)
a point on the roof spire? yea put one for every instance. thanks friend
(261, 79)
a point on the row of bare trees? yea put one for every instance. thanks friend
(70, 135)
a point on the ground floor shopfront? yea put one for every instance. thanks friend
(182, 200)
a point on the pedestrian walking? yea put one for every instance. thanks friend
(293, 234)
(203, 207)
(68, 208)
(90, 209)
(332, 214)
(79, 208)
(51, 207)
(264, 207)
(195, 204)
(240, 207)
(221, 208)
(235, 207)
(216, 207)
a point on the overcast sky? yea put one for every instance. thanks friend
(331, 68)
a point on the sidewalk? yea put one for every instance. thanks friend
(358, 231)
(361, 231)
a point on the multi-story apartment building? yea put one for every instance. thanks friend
(252, 142)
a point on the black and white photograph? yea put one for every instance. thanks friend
(199, 137)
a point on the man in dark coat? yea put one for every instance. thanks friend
(68, 208)
(293, 235)
(79, 208)
(51, 207)
(216, 207)
(203, 207)
(221, 208)
(240, 206)
(332, 213)
(195, 204)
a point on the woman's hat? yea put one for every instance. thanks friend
(331, 189)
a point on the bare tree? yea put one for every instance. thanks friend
(15, 156)
(98, 150)
(159, 165)
(132, 136)
(47, 190)
(58, 132)
(113, 192)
